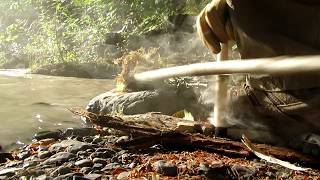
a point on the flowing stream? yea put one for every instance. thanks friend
(31, 103)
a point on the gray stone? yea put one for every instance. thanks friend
(28, 164)
(69, 176)
(80, 132)
(93, 176)
(84, 163)
(67, 144)
(44, 154)
(9, 171)
(123, 175)
(48, 134)
(97, 140)
(86, 170)
(102, 149)
(62, 170)
(13, 164)
(88, 139)
(100, 161)
(100, 155)
(97, 166)
(140, 102)
(122, 139)
(78, 147)
(23, 155)
(111, 166)
(5, 156)
(166, 169)
(243, 172)
(82, 154)
(60, 158)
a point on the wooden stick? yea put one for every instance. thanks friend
(221, 96)
(272, 66)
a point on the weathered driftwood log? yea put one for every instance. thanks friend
(221, 146)
(160, 129)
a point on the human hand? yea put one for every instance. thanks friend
(214, 26)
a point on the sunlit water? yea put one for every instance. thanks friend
(32, 103)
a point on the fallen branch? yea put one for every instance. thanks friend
(221, 146)
(114, 122)
(145, 136)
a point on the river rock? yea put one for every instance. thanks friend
(44, 154)
(62, 170)
(123, 175)
(28, 164)
(167, 169)
(5, 156)
(111, 166)
(23, 155)
(97, 166)
(166, 97)
(9, 171)
(100, 161)
(93, 176)
(80, 132)
(60, 158)
(48, 135)
(103, 155)
(70, 145)
(69, 176)
(84, 163)
(86, 170)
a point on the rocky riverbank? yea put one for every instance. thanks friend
(89, 153)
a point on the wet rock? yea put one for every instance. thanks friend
(44, 154)
(42, 148)
(216, 171)
(47, 135)
(74, 148)
(9, 171)
(60, 158)
(165, 101)
(103, 155)
(28, 164)
(165, 168)
(80, 132)
(72, 145)
(123, 175)
(69, 176)
(82, 154)
(243, 172)
(43, 177)
(88, 139)
(97, 140)
(23, 155)
(90, 151)
(5, 156)
(13, 164)
(84, 163)
(122, 139)
(102, 150)
(100, 161)
(97, 166)
(62, 170)
(93, 176)
(86, 170)
(111, 166)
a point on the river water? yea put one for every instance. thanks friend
(31, 103)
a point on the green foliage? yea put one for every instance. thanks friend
(69, 31)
